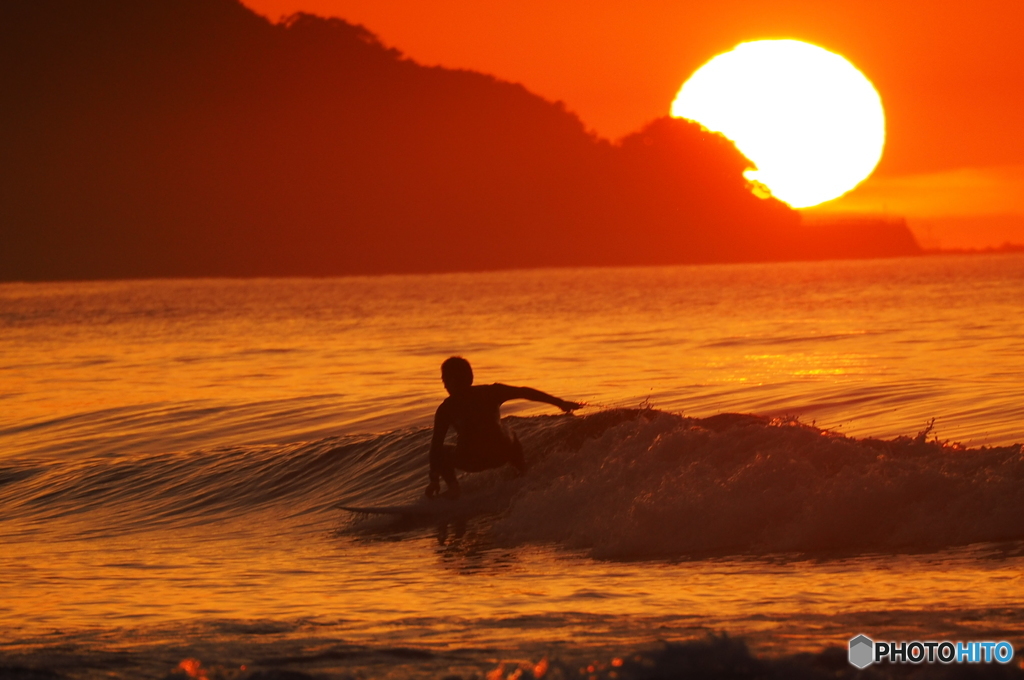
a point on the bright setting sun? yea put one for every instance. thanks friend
(807, 118)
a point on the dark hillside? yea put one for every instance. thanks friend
(193, 137)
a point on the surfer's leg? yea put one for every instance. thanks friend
(515, 457)
(491, 457)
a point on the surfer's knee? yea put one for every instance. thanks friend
(451, 483)
(516, 457)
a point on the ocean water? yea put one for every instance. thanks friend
(772, 460)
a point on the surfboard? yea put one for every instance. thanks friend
(429, 509)
(469, 504)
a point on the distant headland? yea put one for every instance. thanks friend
(195, 138)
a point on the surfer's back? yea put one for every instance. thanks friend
(475, 413)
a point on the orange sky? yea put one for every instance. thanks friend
(950, 72)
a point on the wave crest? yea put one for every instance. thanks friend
(659, 485)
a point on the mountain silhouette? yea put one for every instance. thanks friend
(195, 138)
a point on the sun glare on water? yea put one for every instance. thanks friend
(807, 118)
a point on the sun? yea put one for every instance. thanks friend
(807, 118)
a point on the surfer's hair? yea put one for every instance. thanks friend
(456, 371)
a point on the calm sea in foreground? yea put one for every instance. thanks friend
(172, 452)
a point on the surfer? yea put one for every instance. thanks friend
(474, 412)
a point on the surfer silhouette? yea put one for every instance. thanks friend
(474, 412)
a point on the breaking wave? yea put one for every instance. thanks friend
(619, 484)
(660, 485)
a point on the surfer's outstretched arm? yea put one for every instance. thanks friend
(543, 397)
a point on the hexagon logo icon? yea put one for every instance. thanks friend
(862, 650)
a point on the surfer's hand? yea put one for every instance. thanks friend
(569, 406)
(433, 488)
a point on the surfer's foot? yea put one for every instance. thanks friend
(452, 492)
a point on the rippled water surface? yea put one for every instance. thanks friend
(873, 348)
(171, 453)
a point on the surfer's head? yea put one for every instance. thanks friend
(456, 374)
